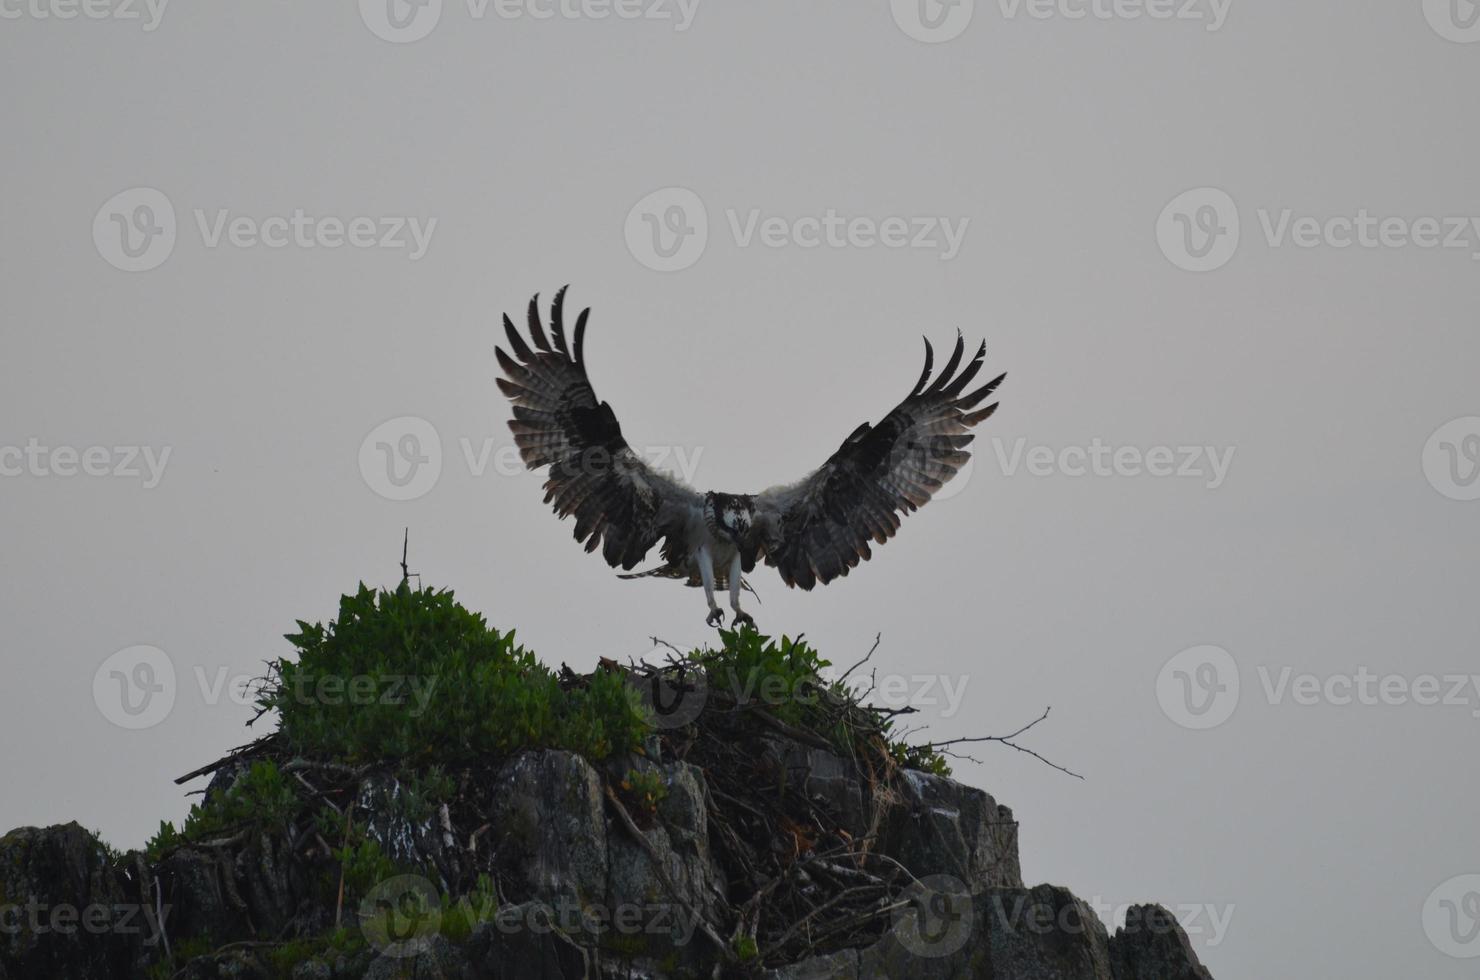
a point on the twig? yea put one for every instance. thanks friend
(850, 670)
(406, 572)
(1007, 740)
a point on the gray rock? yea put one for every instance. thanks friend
(646, 924)
(1152, 946)
(437, 959)
(826, 778)
(573, 870)
(1043, 932)
(549, 819)
(193, 884)
(65, 910)
(842, 965)
(520, 943)
(945, 827)
(313, 970)
(408, 830)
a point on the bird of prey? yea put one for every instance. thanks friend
(811, 531)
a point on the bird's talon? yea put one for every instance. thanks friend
(743, 619)
(716, 617)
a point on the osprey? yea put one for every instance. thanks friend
(811, 531)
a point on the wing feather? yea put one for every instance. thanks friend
(620, 504)
(821, 528)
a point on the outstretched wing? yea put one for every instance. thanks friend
(620, 503)
(818, 529)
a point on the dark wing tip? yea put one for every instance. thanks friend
(580, 338)
(925, 374)
(536, 329)
(557, 320)
(521, 349)
(948, 372)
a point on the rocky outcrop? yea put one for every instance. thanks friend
(64, 909)
(586, 889)
(1001, 933)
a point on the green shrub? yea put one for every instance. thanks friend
(262, 798)
(411, 675)
(784, 676)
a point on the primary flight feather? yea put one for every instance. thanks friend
(811, 531)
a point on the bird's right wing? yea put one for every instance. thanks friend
(818, 529)
(621, 504)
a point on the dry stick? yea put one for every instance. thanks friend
(228, 758)
(795, 734)
(780, 944)
(850, 670)
(662, 874)
(1008, 741)
(339, 906)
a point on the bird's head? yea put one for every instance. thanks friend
(730, 514)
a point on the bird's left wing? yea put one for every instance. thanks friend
(621, 504)
(816, 530)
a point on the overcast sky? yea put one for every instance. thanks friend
(253, 258)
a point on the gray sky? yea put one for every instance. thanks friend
(847, 179)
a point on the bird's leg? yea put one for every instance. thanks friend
(742, 618)
(706, 572)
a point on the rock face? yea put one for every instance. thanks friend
(63, 910)
(586, 890)
(1003, 933)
